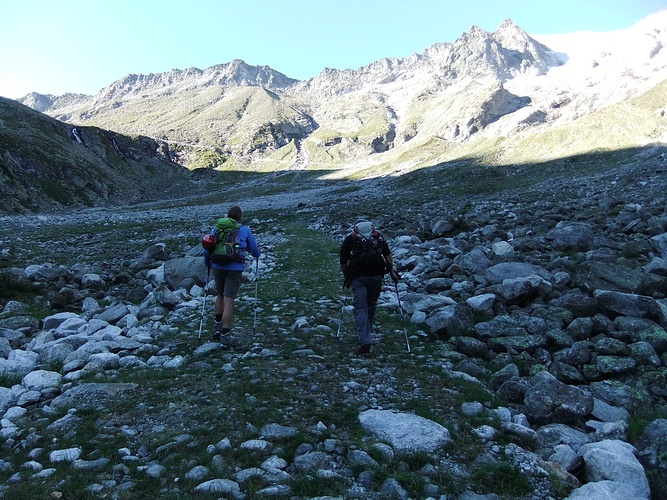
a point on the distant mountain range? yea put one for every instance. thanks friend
(501, 97)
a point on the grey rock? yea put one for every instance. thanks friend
(451, 320)
(628, 304)
(113, 314)
(404, 431)
(312, 461)
(614, 460)
(551, 401)
(576, 237)
(604, 490)
(513, 270)
(278, 431)
(220, 487)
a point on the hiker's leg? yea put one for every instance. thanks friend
(360, 302)
(232, 285)
(227, 312)
(219, 277)
(374, 288)
(219, 305)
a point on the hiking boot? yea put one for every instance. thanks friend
(226, 341)
(217, 330)
(364, 350)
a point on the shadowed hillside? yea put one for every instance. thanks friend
(46, 164)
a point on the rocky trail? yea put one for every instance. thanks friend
(535, 318)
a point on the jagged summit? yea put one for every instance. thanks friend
(511, 36)
(505, 53)
(235, 73)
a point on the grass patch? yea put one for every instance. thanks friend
(9, 379)
(641, 416)
(309, 487)
(502, 479)
(14, 287)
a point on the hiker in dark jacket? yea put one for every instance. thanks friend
(228, 276)
(365, 258)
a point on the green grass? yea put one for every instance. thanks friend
(15, 288)
(641, 416)
(503, 479)
(9, 380)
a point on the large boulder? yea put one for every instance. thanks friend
(512, 270)
(185, 272)
(652, 451)
(550, 401)
(659, 244)
(454, 320)
(405, 431)
(594, 275)
(42, 379)
(576, 237)
(628, 304)
(613, 460)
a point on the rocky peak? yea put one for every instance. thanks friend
(510, 36)
(238, 73)
(38, 102)
(235, 73)
(43, 102)
(477, 53)
(504, 54)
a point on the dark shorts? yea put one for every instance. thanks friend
(227, 283)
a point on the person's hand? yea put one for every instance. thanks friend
(394, 276)
(346, 283)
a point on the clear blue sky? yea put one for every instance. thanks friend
(59, 46)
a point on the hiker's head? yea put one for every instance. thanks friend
(235, 213)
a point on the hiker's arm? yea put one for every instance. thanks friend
(346, 280)
(344, 258)
(252, 245)
(390, 268)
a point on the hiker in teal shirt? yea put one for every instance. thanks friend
(227, 262)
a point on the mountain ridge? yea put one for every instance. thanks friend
(487, 95)
(319, 104)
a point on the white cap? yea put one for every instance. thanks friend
(365, 228)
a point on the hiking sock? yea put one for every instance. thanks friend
(225, 331)
(218, 318)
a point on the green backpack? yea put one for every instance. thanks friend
(227, 248)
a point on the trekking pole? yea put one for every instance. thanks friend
(340, 323)
(254, 321)
(400, 307)
(203, 307)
